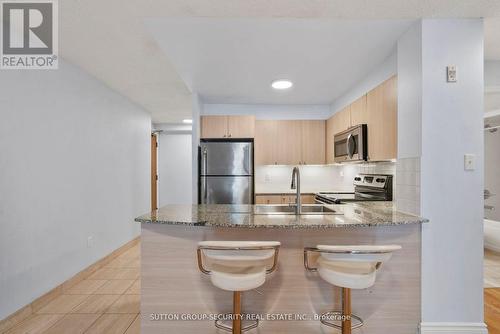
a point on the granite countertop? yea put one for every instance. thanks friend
(363, 214)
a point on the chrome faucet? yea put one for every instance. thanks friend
(296, 185)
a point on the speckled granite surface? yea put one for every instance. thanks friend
(242, 216)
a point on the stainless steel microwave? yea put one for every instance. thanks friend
(352, 144)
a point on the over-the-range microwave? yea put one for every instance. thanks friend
(352, 144)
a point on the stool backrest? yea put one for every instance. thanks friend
(238, 253)
(358, 253)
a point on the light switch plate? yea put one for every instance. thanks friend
(451, 73)
(469, 162)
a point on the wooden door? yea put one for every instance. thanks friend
(265, 143)
(313, 142)
(289, 142)
(382, 106)
(241, 126)
(214, 127)
(359, 114)
(154, 172)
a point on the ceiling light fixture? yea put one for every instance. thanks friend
(281, 84)
(187, 121)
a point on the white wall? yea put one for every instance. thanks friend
(197, 108)
(381, 73)
(452, 125)
(492, 73)
(174, 168)
(74, 162)
(268, 112)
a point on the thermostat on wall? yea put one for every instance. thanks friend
(451, 73)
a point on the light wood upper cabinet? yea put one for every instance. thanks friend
(382, 106)
(227, 127)
(265, 142)
(313, 142)
(241, 126)
(339, 122)
(359, 112)
(213, 126)
(288, 140)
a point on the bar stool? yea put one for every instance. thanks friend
(238, 266)
(348, 267)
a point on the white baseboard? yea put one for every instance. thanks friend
(453, 328)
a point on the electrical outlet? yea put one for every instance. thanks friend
(341, 173)
(451, 73)
(469, 162)
(90, 242)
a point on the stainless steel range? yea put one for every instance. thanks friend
(367, 187)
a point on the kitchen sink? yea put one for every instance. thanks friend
(278, 209)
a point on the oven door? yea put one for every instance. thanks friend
(351, 145)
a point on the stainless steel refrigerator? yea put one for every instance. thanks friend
(226, 172)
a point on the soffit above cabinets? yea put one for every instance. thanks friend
(235, 60)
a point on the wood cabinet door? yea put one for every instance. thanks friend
(307, 199)
(313, 142)
(339, 122)
(268, 199)
(265, 142)
(382, 108)
(289, 142)
(213, 127)
(359, 114)
(241, 126)
(330, 132)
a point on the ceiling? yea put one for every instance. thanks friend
(109, 39)
(235, 60)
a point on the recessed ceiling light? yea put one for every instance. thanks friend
(187, 121)
(281, 84)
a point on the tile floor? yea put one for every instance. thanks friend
(108, 302)
(491, 269)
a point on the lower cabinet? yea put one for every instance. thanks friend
(283, 199)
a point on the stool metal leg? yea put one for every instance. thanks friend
(237, 312)
(346, 311)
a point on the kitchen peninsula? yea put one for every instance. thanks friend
(173, 286)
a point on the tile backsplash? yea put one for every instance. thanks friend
(316, 178)
(408, 185)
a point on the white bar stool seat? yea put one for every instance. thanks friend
(348, 267)
(238, 266)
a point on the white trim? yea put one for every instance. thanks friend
(453, 328)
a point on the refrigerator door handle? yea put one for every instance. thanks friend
(205, 167)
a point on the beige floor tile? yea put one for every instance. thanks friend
(127, 273)
(36, 324)
(63, 304)
(73, 324)
(126, 304)
(112, 324)
(104, 274)
(135, 328)
(96, 304)
(115, 287)
(85, 287)
(135, 289)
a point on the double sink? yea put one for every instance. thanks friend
(306, 209)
